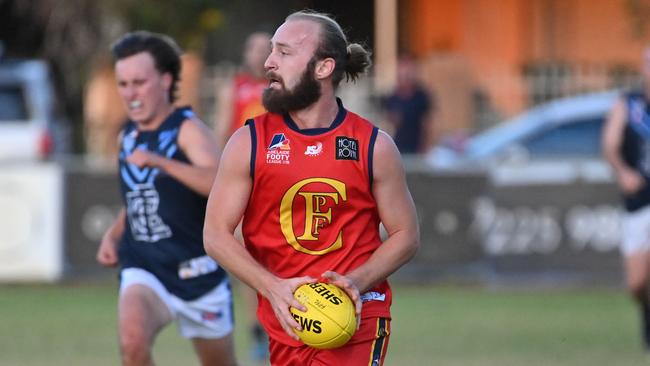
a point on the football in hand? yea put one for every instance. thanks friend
(330, 320)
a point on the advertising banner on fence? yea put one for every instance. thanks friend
(31, 218)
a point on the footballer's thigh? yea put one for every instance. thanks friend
(635, 248)
(367, 347)
(208, 321)
(637, 268)
(142, 310)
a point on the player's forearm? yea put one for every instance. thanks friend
(614, 159)
(197, 178)
(388, 258)
(612, 137)
(116, 230)
(232, 256)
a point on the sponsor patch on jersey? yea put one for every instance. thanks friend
(196, 267)
(314, 150)
(279, 142)
(347, 148)
(372, 296)
(279, 150)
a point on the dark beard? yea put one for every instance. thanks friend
(304, 94)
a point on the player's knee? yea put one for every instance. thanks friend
(638, 288)
(135, 348)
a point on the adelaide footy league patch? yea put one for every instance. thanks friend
(279, 150)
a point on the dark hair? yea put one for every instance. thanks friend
(351, 59)
(164, 50)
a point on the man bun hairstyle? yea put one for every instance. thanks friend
(359, 61)
(352, 59)
(162, 48)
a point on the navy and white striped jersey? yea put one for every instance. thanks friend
(164, 218)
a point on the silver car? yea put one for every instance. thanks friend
(564, 130)
(548, 204)
(27, 118)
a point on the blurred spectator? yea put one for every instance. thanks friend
(409, 109)
(241, 98)
(626, 146)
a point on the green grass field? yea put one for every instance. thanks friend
(75, 325)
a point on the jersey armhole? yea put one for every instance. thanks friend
(371, 153)
(251, 124)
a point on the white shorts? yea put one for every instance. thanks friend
(636, 232)
(210, 316)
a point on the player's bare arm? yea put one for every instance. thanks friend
(107, 252)
(397, 213)
(629, 180)
(226, 205)
(198, 143)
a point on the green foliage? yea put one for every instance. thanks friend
(189, 21)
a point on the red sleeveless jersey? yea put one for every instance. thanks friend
(247, 99)
(311, 208)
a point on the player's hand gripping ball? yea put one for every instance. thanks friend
(329, 321)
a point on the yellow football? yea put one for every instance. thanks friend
(329, 321)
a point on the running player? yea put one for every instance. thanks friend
(167, 163)
(312, 182)
(626, 146)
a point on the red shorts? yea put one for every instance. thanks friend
(366, 348)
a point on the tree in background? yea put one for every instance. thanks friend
(72, 34)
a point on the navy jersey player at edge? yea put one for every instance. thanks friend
(626, 147)
(167, 163)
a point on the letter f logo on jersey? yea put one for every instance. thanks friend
(316, 216)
